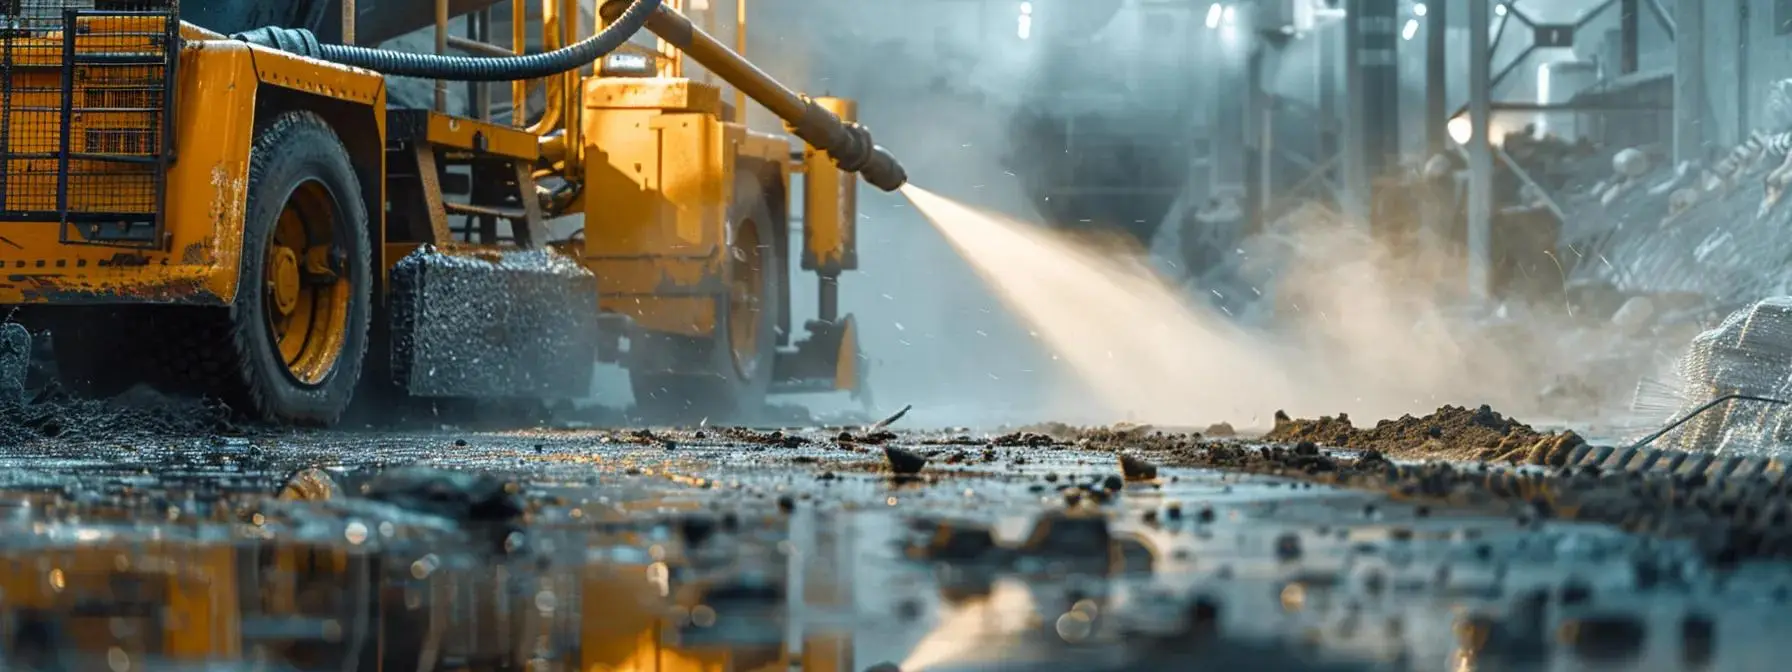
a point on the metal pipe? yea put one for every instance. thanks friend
(1689, 91)
(849, 144)
(740, 47)
(348, 21)
(1437, 40)
(1662, 18)
(519, 39)
(1630, 27)
(1480, 152)
(550, 40)
(441, 49)
(572, 95)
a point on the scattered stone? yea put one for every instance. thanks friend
(904, 462)
(1604, 638)
(457, 495)
(1698, 641)
(1136, 469)
(1288, 547)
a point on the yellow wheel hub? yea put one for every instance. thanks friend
(285, 272)
(307, 314)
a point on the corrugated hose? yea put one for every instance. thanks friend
(462, 68)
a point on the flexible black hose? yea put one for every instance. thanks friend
(468, 68)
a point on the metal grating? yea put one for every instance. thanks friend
(85, 132)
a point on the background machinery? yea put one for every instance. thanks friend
(1103, 132)
(212, 207)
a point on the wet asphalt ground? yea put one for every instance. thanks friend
(662, 550)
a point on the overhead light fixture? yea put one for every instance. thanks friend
(1214, 12)
(1500, 9)
(1023, 28)
(1419, 9)
(1410, 29)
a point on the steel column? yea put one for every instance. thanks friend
(1437, 34)
(1630, 25)
(1689, 85)
(1480, 150)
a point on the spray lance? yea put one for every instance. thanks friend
(849, 144)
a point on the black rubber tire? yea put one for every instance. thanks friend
(295, 148)
(686, 380)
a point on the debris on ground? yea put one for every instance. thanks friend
(1726, 519)
(15, 363)
(1452, 432)
(1137, 469)
(468, 497)
(763, 438)
(138, 414)
(886, 422)
(904, 462)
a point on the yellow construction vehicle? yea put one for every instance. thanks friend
(243, 216)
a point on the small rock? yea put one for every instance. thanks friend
(1698, 641)
(1606, 638)
(1288, 547)
(904, 462)
(1135, 469)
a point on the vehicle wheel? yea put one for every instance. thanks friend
(297, 334)
(723, 377)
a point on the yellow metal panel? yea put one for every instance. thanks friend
(461, 133)
(315, 77)
(846, 359)
(830, 204)
(668, 94)
(657, 188)
(688, 315)
(206, 190)
(767, 147)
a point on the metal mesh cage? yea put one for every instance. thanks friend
(1749, 353)
(84, 115)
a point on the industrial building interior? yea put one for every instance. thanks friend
(895, 335)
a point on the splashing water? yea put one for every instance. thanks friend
(1372, 333)
(1130, 337)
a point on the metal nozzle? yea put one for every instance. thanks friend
(882, 171)
(853, 150)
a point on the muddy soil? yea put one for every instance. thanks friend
(1450, 433)
(53, 414)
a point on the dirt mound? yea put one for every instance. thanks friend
(1452, 432)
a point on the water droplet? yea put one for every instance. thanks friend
(356, 532)
(545, 601)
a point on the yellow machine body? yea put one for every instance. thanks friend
(661, 169)
(665, 176)
(197, 260)
(830, 204)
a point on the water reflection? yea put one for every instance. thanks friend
(304, 584)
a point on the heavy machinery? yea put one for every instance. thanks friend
(1103, 132)
(242, 216)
